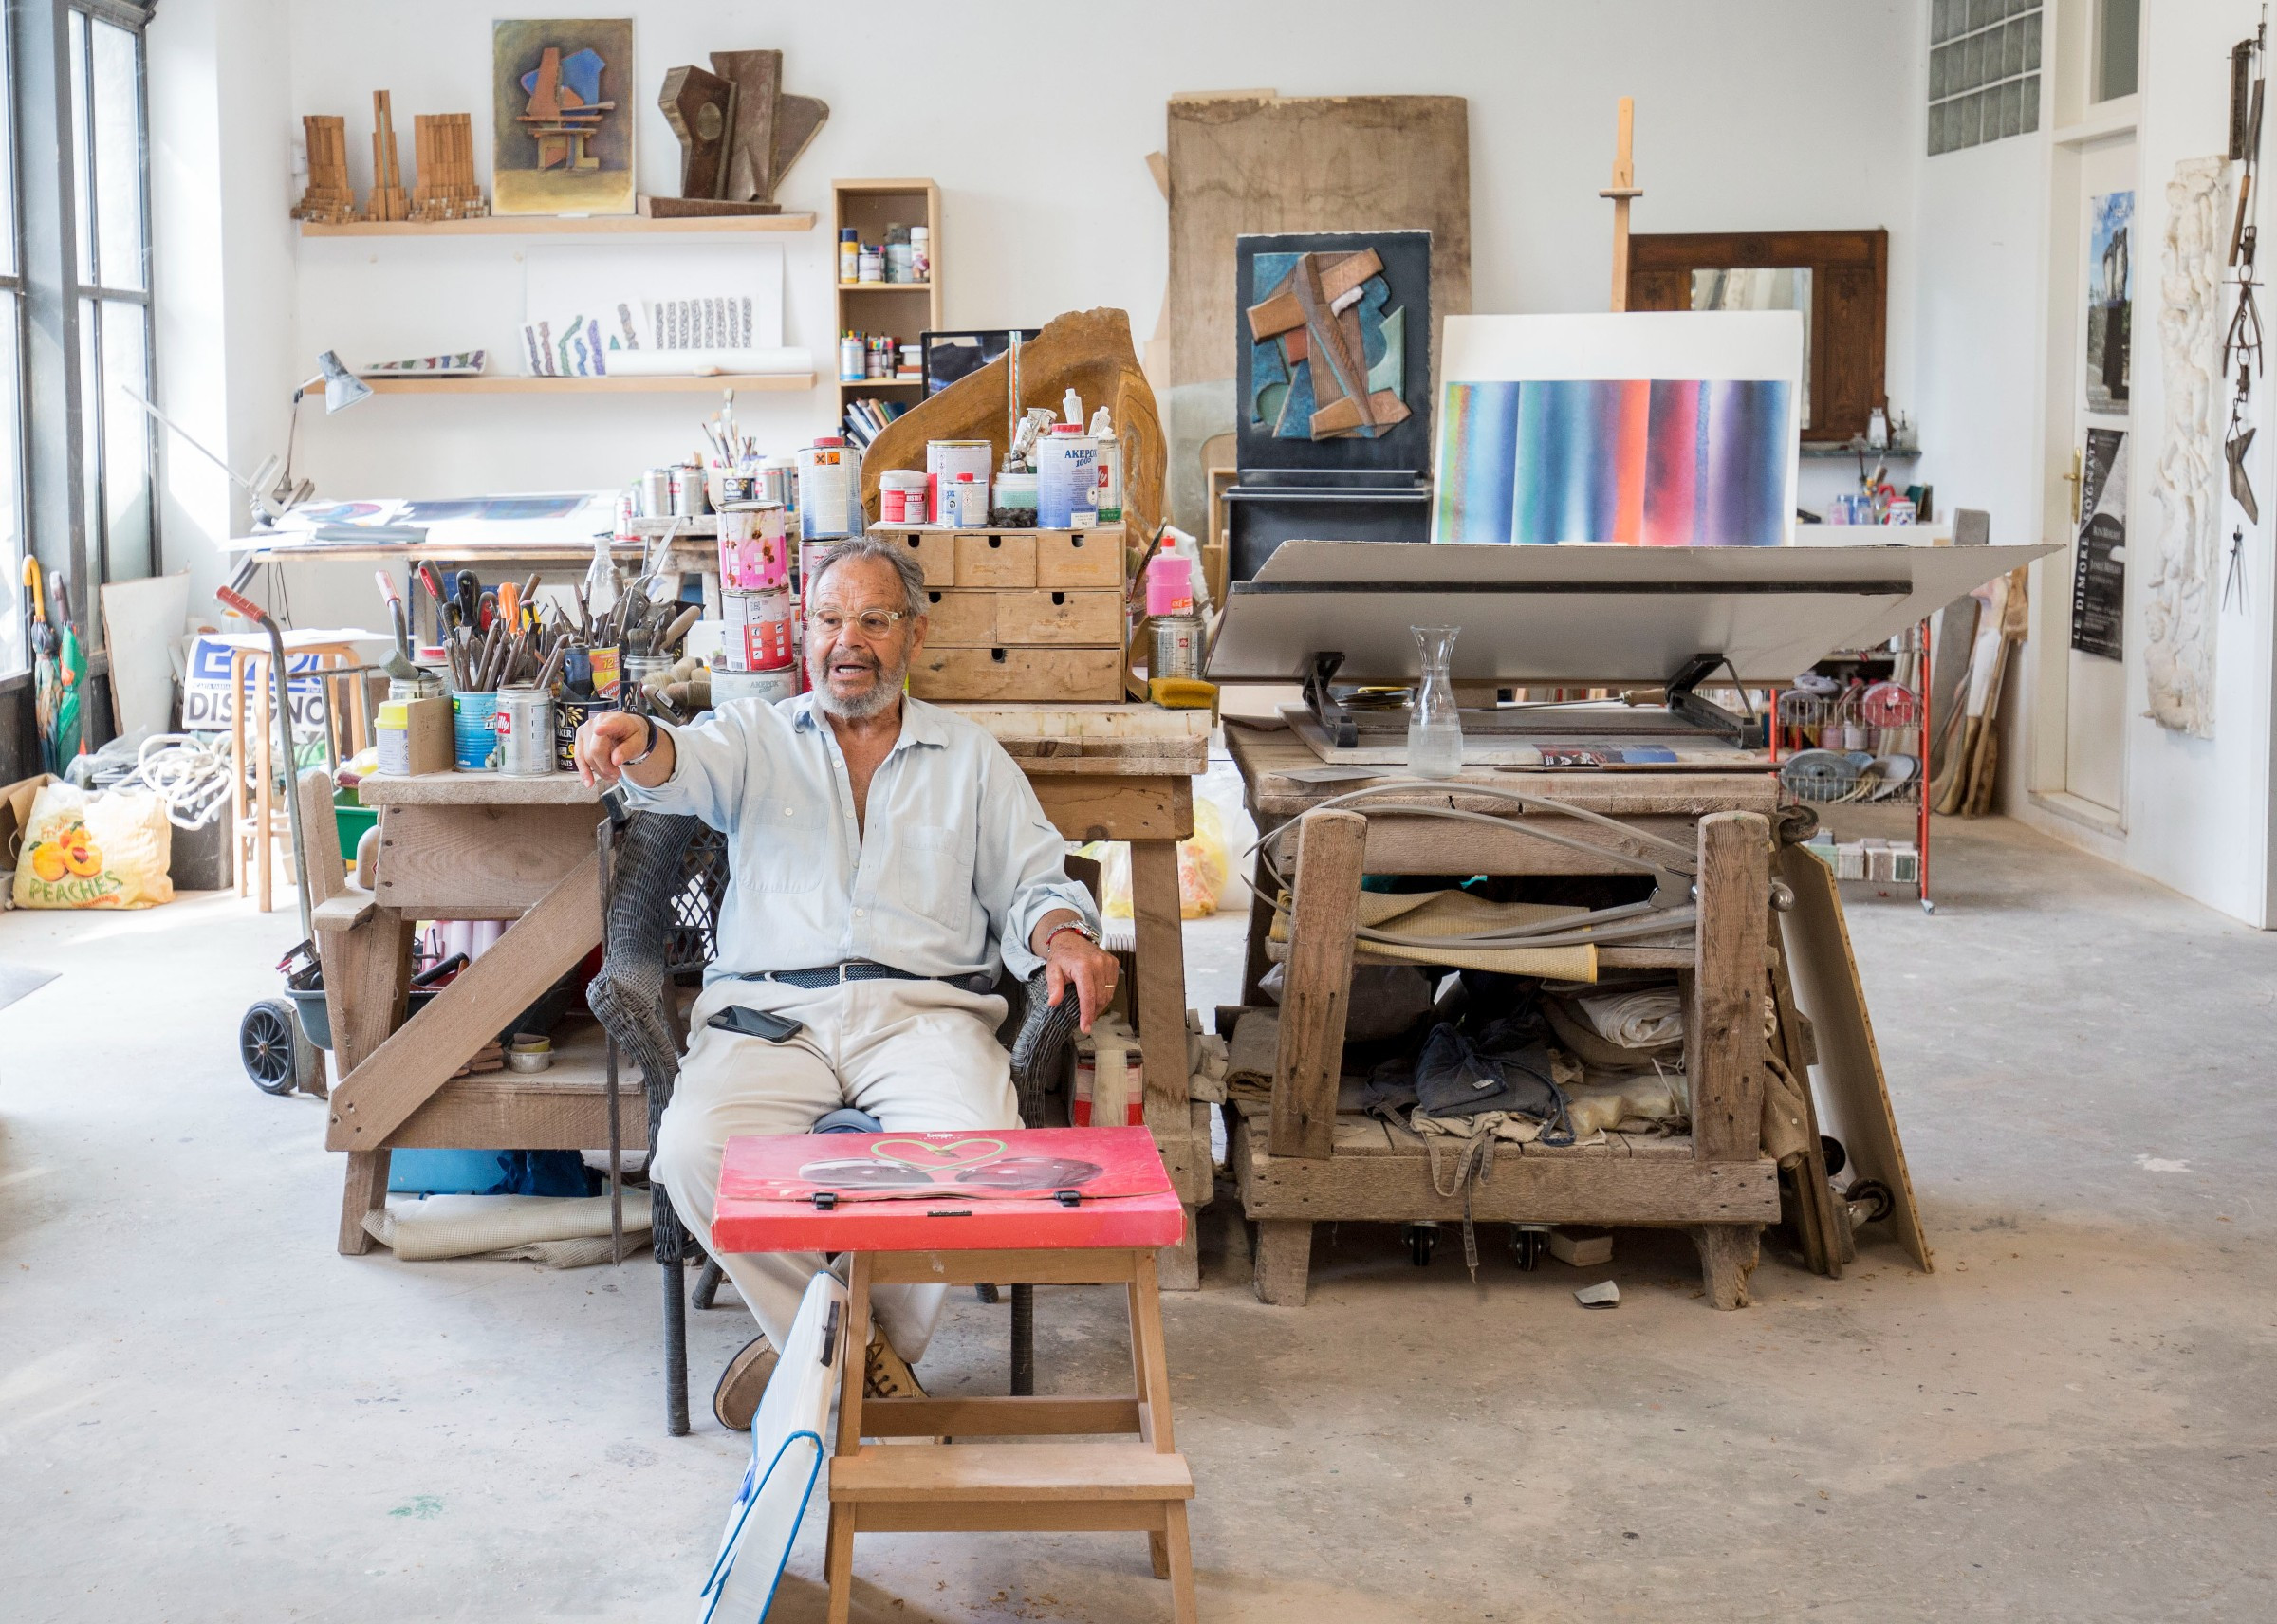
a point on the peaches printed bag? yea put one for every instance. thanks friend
(95, 850)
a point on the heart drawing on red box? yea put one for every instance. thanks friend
(939, 1155)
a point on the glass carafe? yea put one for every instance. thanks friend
(1434, 728)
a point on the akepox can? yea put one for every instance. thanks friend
(525, 725)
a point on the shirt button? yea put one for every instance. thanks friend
(857, 912)
(790, 811)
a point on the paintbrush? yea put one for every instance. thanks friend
(679, 629)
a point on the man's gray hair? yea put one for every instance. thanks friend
(902, 557)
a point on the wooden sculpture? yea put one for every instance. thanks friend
(329, 197)
(444, 143)
(1088, 351)
(739, 134)
(387, 201)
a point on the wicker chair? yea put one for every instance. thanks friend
(666, 880)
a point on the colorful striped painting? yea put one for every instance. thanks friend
(1639, 462)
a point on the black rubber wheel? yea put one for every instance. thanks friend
(1420, 1238)
(1837, 1158)
(1876, 1195)
(265, 1041)
(1530, 1247)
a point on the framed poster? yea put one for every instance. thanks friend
(562, 115)
(2110, 301)
(2099, 566)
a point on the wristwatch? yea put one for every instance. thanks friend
(1077, 925)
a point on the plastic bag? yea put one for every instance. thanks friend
(95, 850)
(1202, 868)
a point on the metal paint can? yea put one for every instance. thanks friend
(776, 484)
(971, 493)
(768, 686)
(1177, 647)
(525, 725)
(901, 497)
(945, 460)
(655, 494)
(829, 477)
(569, 714)
(689, 499)
(1067, 481)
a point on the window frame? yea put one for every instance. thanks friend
(16, 670)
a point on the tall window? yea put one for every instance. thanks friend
(13, 655)
(112, 263)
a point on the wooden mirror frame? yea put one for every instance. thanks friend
(1849, 300)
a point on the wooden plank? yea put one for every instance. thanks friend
(477, 788)
(374, 1099)
(1725, 1023)
(1150, 1362)
(320, 839)
(1011, 1517)
(1667, 1191)
(366, 1191)
(548, 225)
(1083, 807)
(343, 913)
(998, 1417)
(1184, 757)
(619, 383)
(1424, 845)
(484, 862)
(1852, 1088)
(367, 972)
(1004, 672)
(496, 1111)
(995, 557)
(1010, 722)
(1159, 989)
(1088, 1265)
(1318, 985)
(1728, 1253)
(984, 1473)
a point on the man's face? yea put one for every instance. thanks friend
(856, 673)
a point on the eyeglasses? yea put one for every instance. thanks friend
(874, 624)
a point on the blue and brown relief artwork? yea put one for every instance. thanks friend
(1330, 352)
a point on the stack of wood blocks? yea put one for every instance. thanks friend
(443, 145)
(1020, 614)
(388, 201)
(329, 197)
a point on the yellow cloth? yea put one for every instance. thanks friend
(1454, 914)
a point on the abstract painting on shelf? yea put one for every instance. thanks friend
(1652, 428)
(562, 118)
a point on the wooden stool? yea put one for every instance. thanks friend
(1108, 1206)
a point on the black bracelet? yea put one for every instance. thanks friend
(652, 741)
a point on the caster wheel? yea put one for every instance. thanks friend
(267, 1040)
(1837, 1157)
(1528, 1247)
(1870, 1201)
(1420, 1238)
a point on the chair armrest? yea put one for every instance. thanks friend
(1040, 1047)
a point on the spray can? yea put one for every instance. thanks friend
(849, 254)
(1108, 469)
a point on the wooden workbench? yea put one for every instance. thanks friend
(466, 845)
(1716, 1182)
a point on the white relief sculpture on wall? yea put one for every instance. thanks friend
(2183, 597)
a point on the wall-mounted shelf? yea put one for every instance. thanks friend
(885, 287)
(741, 383)
(1858, 449)
(881, 383)
(561, 224)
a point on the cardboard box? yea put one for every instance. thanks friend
(427, 725)
(15, 812)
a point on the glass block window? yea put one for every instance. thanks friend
(1984, 71)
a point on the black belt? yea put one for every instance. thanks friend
(863, 970)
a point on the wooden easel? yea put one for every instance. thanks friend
(1623, 191)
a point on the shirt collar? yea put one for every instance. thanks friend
(920, 722)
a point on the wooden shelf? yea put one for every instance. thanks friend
(869, 207)
(558, 225)
(741, 383)
(880, 382)
(885, 287)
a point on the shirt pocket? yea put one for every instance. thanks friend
(936, 863)
(788, 844)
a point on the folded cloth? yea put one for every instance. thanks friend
(468, 1226)
(1643, 1102)
(1503, 1066)
(1576, 1035)
(1254, 1049)
(1640, 1018)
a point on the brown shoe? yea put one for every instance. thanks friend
(735, 1400)
(886, 1374)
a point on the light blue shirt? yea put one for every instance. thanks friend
(957, 864)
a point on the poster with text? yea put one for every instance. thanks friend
(2110, 300)
(2099, 561)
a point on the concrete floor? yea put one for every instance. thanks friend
(206, 1414)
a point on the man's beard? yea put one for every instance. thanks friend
(880, 696)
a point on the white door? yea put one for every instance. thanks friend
(2106, 351)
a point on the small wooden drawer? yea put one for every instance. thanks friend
(1075, 675)
(1079, 558)
(936, 550)
(995, 558)
(960, 618)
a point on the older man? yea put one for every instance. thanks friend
(885, 855)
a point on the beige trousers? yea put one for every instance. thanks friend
(913, 1053)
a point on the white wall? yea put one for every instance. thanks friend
(1750, 114)
(2197, 812)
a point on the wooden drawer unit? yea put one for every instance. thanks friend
(1072, 676)
(1079, 558)
(962, 619)
(936, 550)
(995, 557)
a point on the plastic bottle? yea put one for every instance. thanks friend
(1071, 409)
(1109, 468)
